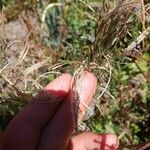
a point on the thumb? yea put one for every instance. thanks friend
(88, 140)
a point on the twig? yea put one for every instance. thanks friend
(1, 70)
(143, 14)
(143, 17)
(144, 146)
(46, 10)
(46, 73)
(109, 79)
(87, 5)
(137, 146)
(138, 40)
(141, 71)
(36, 66)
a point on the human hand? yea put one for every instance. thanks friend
(46, 122)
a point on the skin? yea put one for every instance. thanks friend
(46, 122)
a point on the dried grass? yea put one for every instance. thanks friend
(112, 26)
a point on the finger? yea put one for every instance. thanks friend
(57, 132)
(46, 103)
(1, 141)
(88, 140)
(24, 130)
(86, 90)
